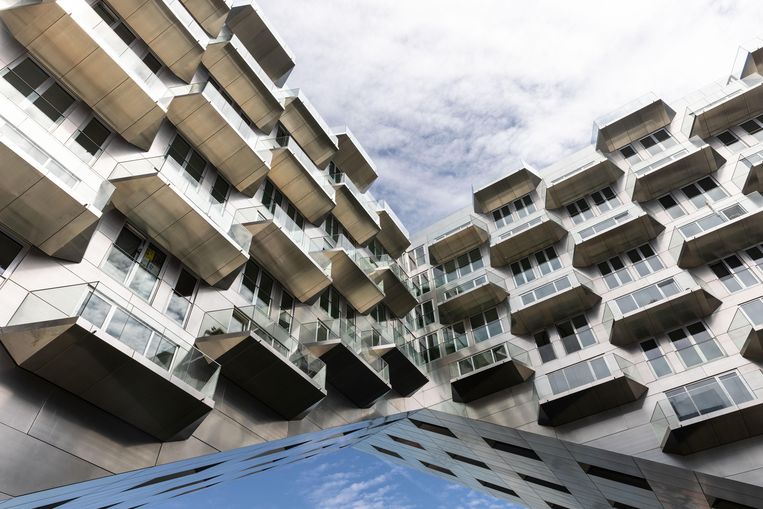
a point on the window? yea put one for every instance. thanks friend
(711, 221)
(434, 428)
(272, 198)
(286, 311)
(424, 314)
(754, 311)
(695, 344)
(486, 325)
(387, 452)
(430, 347)
(545, 348)
(511, 448)
(708, 395)
(654, 357)
(513, 211)
(91, 139)
(702, 191)
(405, 441)
(523, 271)
(256, 286)
(644, 260)
(614, 272)
(605, 224)
(134, 262)
(731, 141)
(437, 468)
(733, 273)
(630, 155)
(577, 375)
(220, 189)
(756, 255)
(329, 302)
(40, 89)
(191, 161)
(671, 206)
(499, 488)
(421, 283)
(657, 142)
(417, 257)
(459, 267)
(544, 483)
(613, 475)
(598, 202)
(548, 261)
(576, 334)
(182, 297)
(470, 461)
(539, 264)
(9, 250)
(454, 338)
(647, 296)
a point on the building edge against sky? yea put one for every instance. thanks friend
(192, 265)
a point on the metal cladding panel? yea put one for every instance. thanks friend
(471, 302)
(405, 377)
(397, 296)
(505, 190)
(290, 176)
(210, 14)
(354, 217)
(487, 381)
(525, 239)
(457, 243)
(353, 377)
(352, 282)
(638, 230)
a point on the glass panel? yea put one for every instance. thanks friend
(736, 388)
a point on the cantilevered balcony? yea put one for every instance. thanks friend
(169, 30)
(710, 413)
(572, 181)
(505, 190)
(457, 300)
(49, 196)
(586, 388)
(679, 165)
(393, 236)
(400, 349)
(355, 210)
(295, 175)
(353, 160)
(489, 371)
(656, 308)
(213, 126)
(159, 197)
(350, 271)
(746, 329)
(263, 359)
(732, 224)
(514, 241)
(355, 372)
(248, 23)
(749, 171)
(242, 78)
(210, 14)
(456, 237)
(724, 106)
(90, 342)
(631, 122)
(551, 301)
(399, 290)
(749, 60)
(282, 248)
(605, 236)
(307, 127)
(82, 51)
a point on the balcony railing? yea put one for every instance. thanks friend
(261, 213)
(366, 199)
(291, 144)
(451, 291)
(489, 357)
(582, 374)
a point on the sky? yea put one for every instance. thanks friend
(446, 94)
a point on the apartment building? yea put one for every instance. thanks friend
(198, 285)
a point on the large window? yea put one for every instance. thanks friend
(40, 89)
(595, 203)
(577, 375)
(9, 251)
(537, 265)
(703, 191)
(90, 139)
(423, 314)
(657, 142)
(709, 395)
(576, 334)
(615, 272)
(257, 286)
(731, 141)
(513, 211)
(135, 262)
(486, 325)
(272, 198)
(182, 297)
(329, 302)
(454, 338)
(645, 260)
(459, 267)
(545, 347)
(655, 358)
(733, 273)
(695, 344)
(416, 257)
(711, 221)
(648, 295)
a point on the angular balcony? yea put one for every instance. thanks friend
(400, 349)
(710, 413)
(576, 179)
(353, 160)
(263, 359)
(749, 60)
(204, 117)
(455, 237)
(350, 271)
(679, 165)
(514, 241)
(399, 292)
(488, 372)
(169, 30)
(210, 14)
(356, 211)
(460, 299)
(89, 341)
(613, 233)
(505, 190)
(548, 303)
(586, 388)
(656, 308)
(356, 373)
(160, 198)
(393, 236)
(282, 248)
(242, 78)
(724, 106)
(49, 196)
(749, 171)
(307, 127)
(746, 329)
(84, 53)
(631, 122)
(295, 175)
(248, 24)
(733, 224)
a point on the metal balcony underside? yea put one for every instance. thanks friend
(227, 63)
(352, 282)
(289, 264)
(656, 319)
(264, 373)
(405, 377)
(353, 216)
(298, 184)
(162, 31)
(674, 174)
(151, 204)
(725, 427)
(353, 160)
(648, 115)
(209, 131)
(489, 380)
(210, 14)
(349, 373)
(754, 180)
(591, 399)
(457, 243)
(308, 131)
(397, 297)
(391, 237)
(628, 235)
(471, 302)
(565, 304)
(62, 37)
(574, 187)
(736, 108)
(524, 243)
(727, 238)
(505, 190)
(753, 346)
(80, 358)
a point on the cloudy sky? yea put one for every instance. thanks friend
(447, 94)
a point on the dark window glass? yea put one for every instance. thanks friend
(152, 63)
(9, 250)
(93, 136)
(54, 102)
(26, 77)
(220, 189)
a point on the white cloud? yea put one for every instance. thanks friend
(444, 94)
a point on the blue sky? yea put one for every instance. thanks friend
(346, 479)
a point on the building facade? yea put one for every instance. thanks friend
(193, 264)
